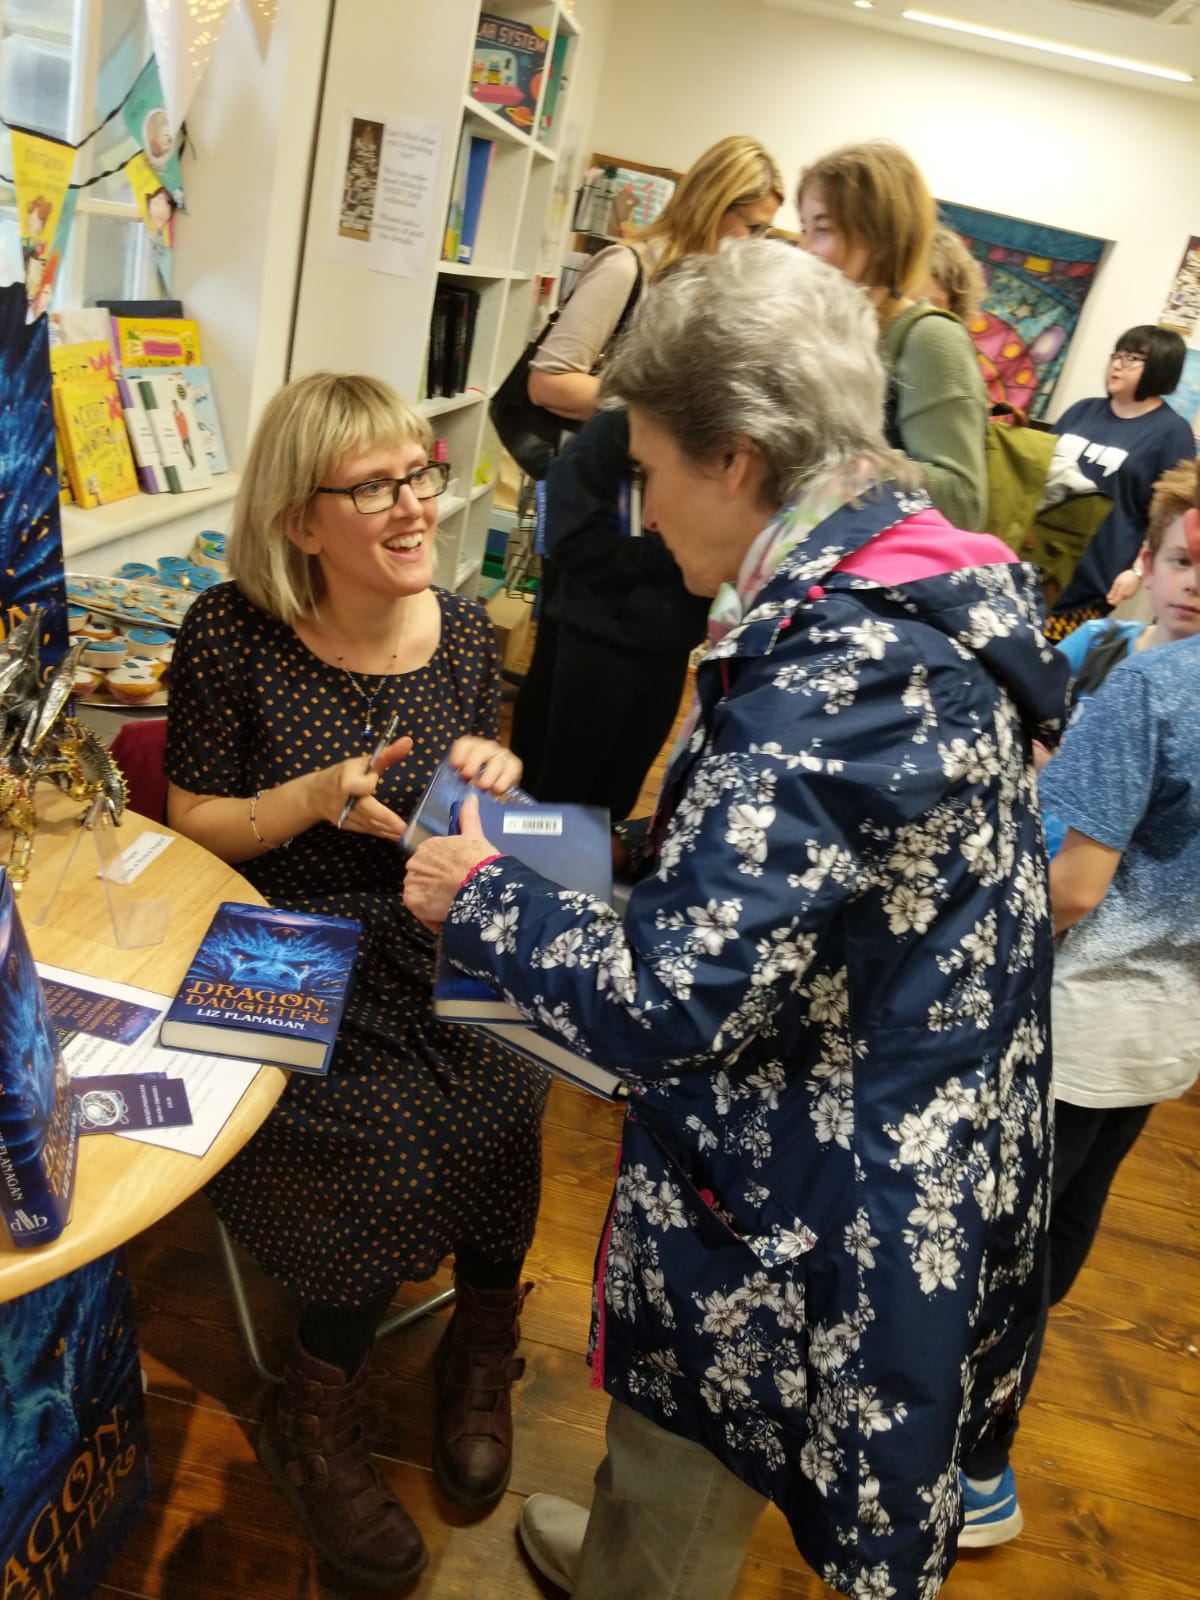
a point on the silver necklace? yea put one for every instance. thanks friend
(369, 696)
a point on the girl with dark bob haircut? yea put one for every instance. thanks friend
(1123, 440)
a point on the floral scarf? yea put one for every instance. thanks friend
(790, 526)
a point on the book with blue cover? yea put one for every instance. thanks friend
(39, 1130)
(569, 844)
(266, 985)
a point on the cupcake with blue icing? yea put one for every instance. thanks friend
(154, 642)
(103, 654)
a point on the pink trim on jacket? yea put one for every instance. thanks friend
(486, 862)
(924, 546)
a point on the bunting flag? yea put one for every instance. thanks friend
(144, 111)
(41, 176)
(262, 19)
(185, 33)
(158, 212)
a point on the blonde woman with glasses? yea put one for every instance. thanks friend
(330, 646)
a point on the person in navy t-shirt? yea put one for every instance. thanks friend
(1122, 442)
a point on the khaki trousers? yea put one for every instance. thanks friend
(668, 1521)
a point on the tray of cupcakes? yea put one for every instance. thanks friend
(130, 620)
(126, 668)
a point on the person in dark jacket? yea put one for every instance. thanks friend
(829, 992)
(594, 713)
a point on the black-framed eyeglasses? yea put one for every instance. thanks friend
(381, 494)
(757, 230)
(1127, 358)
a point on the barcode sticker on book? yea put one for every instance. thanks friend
(546, 822)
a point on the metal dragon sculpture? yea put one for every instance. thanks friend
(40, 743)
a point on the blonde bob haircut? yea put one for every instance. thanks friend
(876, 197)
(735, 172)
(953, 266)
(306, 431)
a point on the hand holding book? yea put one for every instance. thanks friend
(438, 866)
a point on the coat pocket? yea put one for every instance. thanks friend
(697, 1315)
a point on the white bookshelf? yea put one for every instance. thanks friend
(350, 318)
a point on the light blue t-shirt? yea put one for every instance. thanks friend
(1127, 976)
(1077, 646)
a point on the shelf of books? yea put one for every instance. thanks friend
(494, 88)
(138, 435)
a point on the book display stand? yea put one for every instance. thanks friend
(95, 887)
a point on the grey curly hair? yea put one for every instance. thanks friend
(764, 342)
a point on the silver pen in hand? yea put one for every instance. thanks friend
(388, 735)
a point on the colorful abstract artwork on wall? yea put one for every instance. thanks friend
(1038, 278)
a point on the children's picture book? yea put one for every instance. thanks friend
(176, 431)
(76, 1450)
(157, 342)
(506, 68)
(90, 326)
(74, 363)
(266, 985)
(569, 844)
(199, 387)
(39, 1130)
(151, 473)
(95, 443)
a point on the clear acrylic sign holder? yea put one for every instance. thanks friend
(97, 890)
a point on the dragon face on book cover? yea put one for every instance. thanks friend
(75, 1472)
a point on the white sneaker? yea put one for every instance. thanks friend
(552, 1531)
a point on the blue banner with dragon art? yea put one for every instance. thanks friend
(31, 558)
(1038, 278)
(72, 1432)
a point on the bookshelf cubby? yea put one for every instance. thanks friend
(416, 56)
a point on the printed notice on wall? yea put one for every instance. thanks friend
(383, 192)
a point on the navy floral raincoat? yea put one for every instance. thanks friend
(830, 997)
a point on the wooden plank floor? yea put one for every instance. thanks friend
(1106, 1459)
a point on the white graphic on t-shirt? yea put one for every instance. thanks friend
(1107, 456)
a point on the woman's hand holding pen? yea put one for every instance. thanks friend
(485, 763)
(352, 781)
(437, 867)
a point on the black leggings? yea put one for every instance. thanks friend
(342, 1336)
(1090, 1143)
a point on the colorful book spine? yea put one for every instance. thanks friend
(479, 165)
(38, 1124)
(151, 473)
(454, 210)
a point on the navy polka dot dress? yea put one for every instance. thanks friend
(424, 1136)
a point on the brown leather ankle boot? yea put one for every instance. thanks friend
(475, 1366)
(311, 1442)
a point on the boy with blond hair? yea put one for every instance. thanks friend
(1125, 896)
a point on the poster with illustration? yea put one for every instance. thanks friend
(41, 180)
(1186, 398)
(1182, 308)
(1038, 278)
(31, 561)
(382, 213)
(145, 116)
(157, 206)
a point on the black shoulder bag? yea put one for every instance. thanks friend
(531, 434)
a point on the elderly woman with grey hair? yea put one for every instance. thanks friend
(822, 1263)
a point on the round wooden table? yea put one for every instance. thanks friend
(122, 1185)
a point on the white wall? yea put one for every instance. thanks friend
(1027, 141)
(238, 247)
